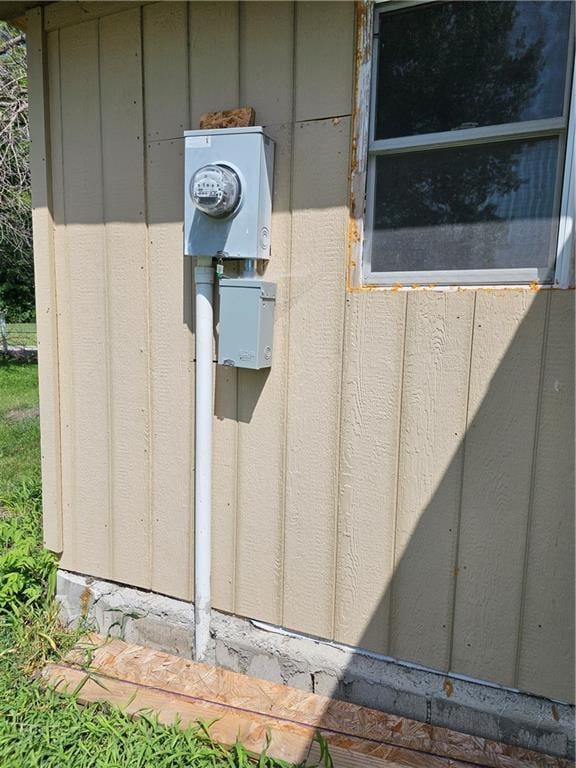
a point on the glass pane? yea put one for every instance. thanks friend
(488, 206)
(464, 64)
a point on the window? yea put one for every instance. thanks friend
(467, 179)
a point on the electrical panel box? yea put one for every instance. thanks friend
(246, 323)
(228, 193)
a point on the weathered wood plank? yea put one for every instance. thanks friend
(433, 428)
(185, 684)
(126, 292)
(546, 652)
(368, 467)
(504, 382)
(317, 298)
(291, 742)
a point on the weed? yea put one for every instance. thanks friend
(38, 727)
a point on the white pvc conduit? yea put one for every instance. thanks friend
(204, 276)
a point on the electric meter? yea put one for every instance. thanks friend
(215, 190)
(228, 176)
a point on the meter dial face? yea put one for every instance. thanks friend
(215, 190)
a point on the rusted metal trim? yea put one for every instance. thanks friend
(359, 151)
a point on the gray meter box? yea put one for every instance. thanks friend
(246, 323)
(245, 232)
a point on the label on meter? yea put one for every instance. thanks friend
(199, 142)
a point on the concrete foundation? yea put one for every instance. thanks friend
(241, 645)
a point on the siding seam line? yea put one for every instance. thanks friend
(106, 281)
(533, 463)
(461, 489)
(149, 424)
(190, 583)
(343, 357)
(54, 259)
(396, 483)
(236, 372)
(283, 493)
(65, 242)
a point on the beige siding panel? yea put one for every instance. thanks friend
(171, 296)
(87, 531)
(45, 271)
(504, 381)
(434, 401)
(61, 261)
(266, 47)
(224, 488)
(214, 27)
(546, 663)
(214, 54)
(172, 375)
(372, 384)
(324, 59)
(165, 51)
(261, 428)
(63, 14)
(319, 220)
(266, 35)
(127, 292)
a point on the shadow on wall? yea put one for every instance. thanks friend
(496, 537)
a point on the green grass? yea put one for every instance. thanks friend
(21, 334)
(39, 728)
(19, 426)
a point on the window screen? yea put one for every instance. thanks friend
(468, 135)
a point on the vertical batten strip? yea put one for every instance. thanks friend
(125, 225)
(546, 649)
(499, 443)
(166, 110)
(83, 261)
(429, 474)
(461, 488)
(319, 218)
(214, 27)
(46, 288)
(285, 391)
(394, 511)
(150, 358)
(371, 387)
(530, 510)
(266, 34)
(324, 33)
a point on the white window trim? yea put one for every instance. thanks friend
(366, 150)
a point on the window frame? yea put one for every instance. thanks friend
(561, 247)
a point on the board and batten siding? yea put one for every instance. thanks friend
(402, 478)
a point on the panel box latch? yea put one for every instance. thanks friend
(246, 323)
